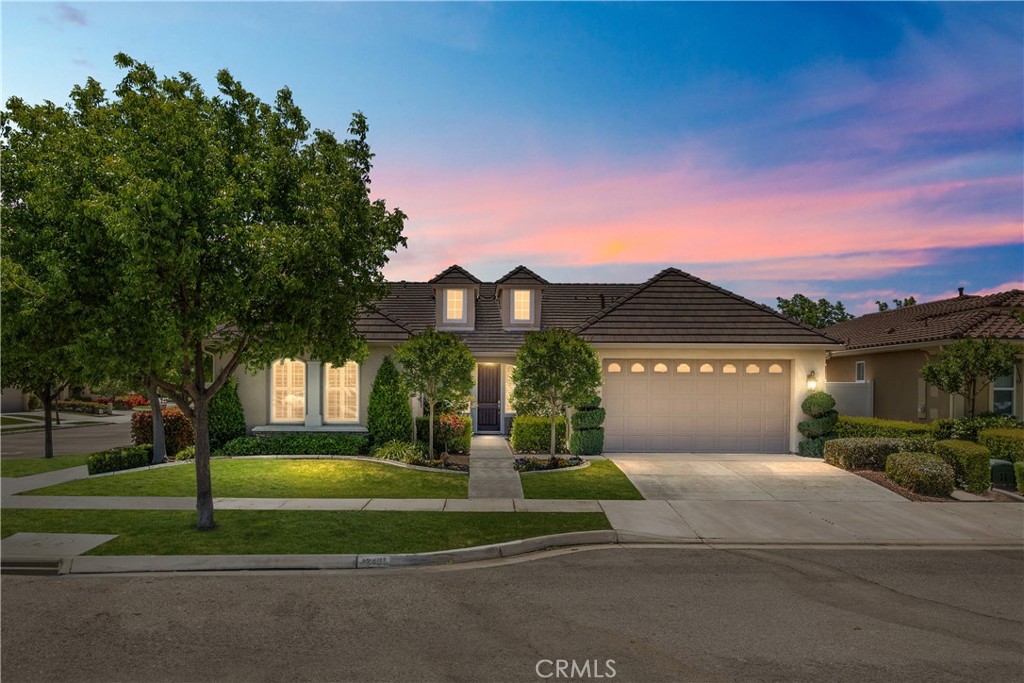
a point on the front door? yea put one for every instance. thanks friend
(488, 397)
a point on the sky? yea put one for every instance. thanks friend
(841, 150)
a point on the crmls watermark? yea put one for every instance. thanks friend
(570, 669)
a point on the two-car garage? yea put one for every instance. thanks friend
(696, 405)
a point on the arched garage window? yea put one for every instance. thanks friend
(288, 389)
(614, 367)
(774, 369)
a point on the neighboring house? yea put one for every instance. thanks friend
(13, 400)
(687, 366)
(885, 352)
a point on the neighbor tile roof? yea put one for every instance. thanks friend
(961, 317)
(454, 275)
(672, 307)
(521, 275)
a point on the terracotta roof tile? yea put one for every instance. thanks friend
(521, 275)
(454, 275)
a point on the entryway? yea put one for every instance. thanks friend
(488, 397)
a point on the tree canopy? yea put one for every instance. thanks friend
(817, 314)
(897, 303)
(554, 369)
(188, 226)
(967, 366)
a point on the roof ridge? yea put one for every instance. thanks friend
(454, 268)
(521, 269)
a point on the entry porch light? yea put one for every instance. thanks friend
(812, 381)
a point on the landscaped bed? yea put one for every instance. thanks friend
(157, 532)
(268, 478)
(601, 481)
(23, 467)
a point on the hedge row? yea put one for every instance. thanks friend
(862, 453)
(1018, 473)
(90, 407)
(1004, 444)
(296, 444)
(922, 473)
(116, 459)
(531, 434)
(178, 432)
(852, 427)
(967, 428)
(970, 463)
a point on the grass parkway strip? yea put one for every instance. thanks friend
(601, 481)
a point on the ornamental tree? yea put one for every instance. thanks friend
(388, 417)
(967, 366)
(817, 314)
(191, 227)
(554, 369)
(439, 367)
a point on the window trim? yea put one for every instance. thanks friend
(340, 421)
(1012, 389)
(447, 319)
(305, 392)
(530, 307)
(860, 372)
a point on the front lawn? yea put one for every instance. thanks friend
(10, 420)
(601, 481)
(23, 467)
(156, 532)
(264, 478)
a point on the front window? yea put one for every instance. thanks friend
(455, 305)
(341, 392)
(522, 300)
(1003, 396)
(288, 379)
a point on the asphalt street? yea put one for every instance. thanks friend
(665, 614)
(67, 441)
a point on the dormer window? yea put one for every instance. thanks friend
(455, 306)
(522, 306)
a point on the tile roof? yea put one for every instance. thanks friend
(454, 275)
(521, 275)
(961, 317)
(675, 307)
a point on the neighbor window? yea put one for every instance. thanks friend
(860, 371)
(455, 305)
(522, 305)
(341, 392)
(1003, 396)
(288, 382)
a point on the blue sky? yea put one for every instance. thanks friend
(852, 151)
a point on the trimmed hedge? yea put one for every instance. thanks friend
(89, 407)
(457, 429)
(1018, 473)
(818, 427)
(227, 417)
(854, 427)
(862, 453)
(922, 473)
(296, 444)
(388, 416)
(818, 404)
(970, 463)
(117, 459)
(1005, 444)
(178, 432)
(589, 418)
(967, 428)
(585, 441)
(532, 434)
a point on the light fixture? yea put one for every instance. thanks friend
(812, 381)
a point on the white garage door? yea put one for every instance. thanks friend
(696, 406)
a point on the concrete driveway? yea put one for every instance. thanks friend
(738, 477)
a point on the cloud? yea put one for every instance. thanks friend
(1012, 284)
(66, 14)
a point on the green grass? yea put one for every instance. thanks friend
(601, 481)
(156, 532)
(263, 478)
(23, 467)
(9, 420)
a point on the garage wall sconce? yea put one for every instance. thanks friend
(812, 381)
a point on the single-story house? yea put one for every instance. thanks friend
(884, 353)
(688, 366)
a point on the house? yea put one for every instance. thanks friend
(884, 353)
(688, 366)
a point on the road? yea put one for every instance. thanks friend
(67, 441)
(664, 614)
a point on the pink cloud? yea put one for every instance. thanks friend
(1012, 284)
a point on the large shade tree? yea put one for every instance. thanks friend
(817, 314)
(967, 366)
(199, 226)
(554, 369)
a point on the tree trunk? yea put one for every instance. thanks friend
(47, 399)
(430, 431)
(159, 449)
(554, 424)
(204, 487)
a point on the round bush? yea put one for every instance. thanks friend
(818, 403)
(922, 473)
(819, 426)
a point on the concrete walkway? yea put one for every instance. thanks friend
(12, 485)
(491, 474)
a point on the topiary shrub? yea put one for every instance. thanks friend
(922, 473)
(967, 428)
(532, 434)
(453, 433)
(227, 418)
(587, 435)
(812, 448)
(861, 453)
(588, 418)
(388, 417)
(821, 427)
(970, 463)
(818, 427)
(178, 432)
(117, 459)
(818, 403)
(296, 444)
(1004, 444)
(851, 427)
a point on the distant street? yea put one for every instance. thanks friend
(67, 441)
(695, 614)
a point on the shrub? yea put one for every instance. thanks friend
(453, 433)
(90, 407)
(922, 473)
(542, 464)
(402, 451)
(296, 444)
(970, 463)
(178, 432)
(227, 418)
(861, 453)
(812, 448)
(1018, 473)
(589, 418)
(967, 428)
(1004, 444)
(532, 434)
(818, 427)
(130, 401)
(388, 417)
(818, 404)
(585, 441)
(116, 459)
(186, 453)
(850, 427)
